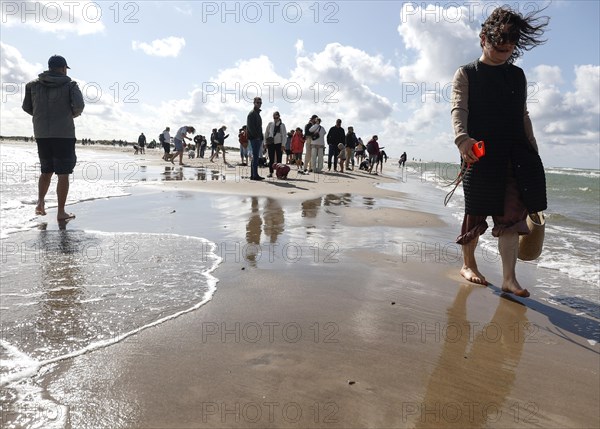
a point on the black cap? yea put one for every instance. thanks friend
(314, 117)
(57, 62)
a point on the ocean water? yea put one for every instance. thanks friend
(572, 237)
(67, 292)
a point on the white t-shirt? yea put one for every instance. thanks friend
(181, 132)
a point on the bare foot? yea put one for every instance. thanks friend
(65, 216)
(40, 210)
(473, 275)
(513, 286)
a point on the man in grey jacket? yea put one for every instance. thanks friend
(53, 100)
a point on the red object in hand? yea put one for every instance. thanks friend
(479, 149)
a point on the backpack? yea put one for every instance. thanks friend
(161, 138)
(371, 148)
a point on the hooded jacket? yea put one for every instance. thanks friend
(53, 100)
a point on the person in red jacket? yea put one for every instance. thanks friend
(298, 147)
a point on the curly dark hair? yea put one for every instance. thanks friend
(525, 31)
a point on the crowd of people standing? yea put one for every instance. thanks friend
(304, 148)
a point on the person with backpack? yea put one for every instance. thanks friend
(274, 137)
(373, 151)
(243, 139)
(142, 143)
(165, 140)
(318, 145)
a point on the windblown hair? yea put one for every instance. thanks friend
(526, 31)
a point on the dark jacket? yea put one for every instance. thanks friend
(307, 130)
(496, 108)
(351, 140)
(254, 125)
(53, 100)
(336, 135)
(221, 136)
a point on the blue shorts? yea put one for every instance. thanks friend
(57, 155)
(178, 145)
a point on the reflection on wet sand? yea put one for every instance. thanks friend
(310, 208)
(337, 200)
(61, 277)
(273, 220)
(253, 230)
(179, 173)
(58, 317)
(475, 371)
(172, 173)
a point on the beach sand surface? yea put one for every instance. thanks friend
(352, 334)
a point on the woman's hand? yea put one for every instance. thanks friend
(466, 151)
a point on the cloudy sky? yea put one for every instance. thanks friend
(384, 67)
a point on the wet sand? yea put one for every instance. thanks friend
(362, 329)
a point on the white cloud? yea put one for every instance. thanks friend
(168, 47)
(59, 17)
(15, 72)
(299, 47)
(316, 85)
(443, 39)
(14, 68)
(566, 118)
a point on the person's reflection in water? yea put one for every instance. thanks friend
(274, 220)
(61, 320)
(253, 230)
(468, 388)
(310, 208)
(338, 200)
(172, 173)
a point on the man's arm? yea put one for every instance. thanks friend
(27, 102)
(77, 103)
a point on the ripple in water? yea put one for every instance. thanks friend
(68, 292)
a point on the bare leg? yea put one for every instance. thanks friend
(508, 245)
(469, 269)
(43, 186)
(62, 190)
